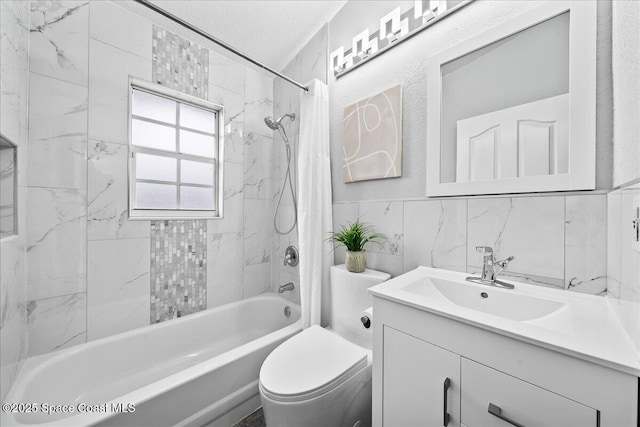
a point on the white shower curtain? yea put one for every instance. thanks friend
(314, 200)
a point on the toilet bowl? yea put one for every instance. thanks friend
(322, 376)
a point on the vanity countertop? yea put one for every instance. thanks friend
(584, 326)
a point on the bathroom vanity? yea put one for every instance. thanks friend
(448, 352)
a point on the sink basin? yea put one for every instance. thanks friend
(503, 303)
(573, 323)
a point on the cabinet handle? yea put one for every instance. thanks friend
(496, 411)
(445, 421)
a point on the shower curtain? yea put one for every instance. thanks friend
(314, 200)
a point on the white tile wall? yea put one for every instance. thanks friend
(56, 323)
(258, 102)
(435, 233)
(233, 103)
(56, 242)
(513, 227)
(225, 269)
(57, 200)
(133, 32)
(57, 136)
(256, 279)
(257, 231)
(118, 296)
(59, 40)
(623, 261)
(557, 241)
(614, 248)
(107, 205)
(586, 244)
(233, 201)
(109, 71)
(386, 217)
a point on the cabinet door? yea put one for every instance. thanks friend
(414, 375)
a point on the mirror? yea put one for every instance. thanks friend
(513, 110)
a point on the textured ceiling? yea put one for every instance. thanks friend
(271, 32)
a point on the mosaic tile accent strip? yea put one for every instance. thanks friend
(179, 63)
(178, 268)
(178, 248)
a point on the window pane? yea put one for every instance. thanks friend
(155, 196)
(158, 168)
(196, 172)
(197, 144)
(154, 107)
(196, 198)
(145, 134)
(197, 118)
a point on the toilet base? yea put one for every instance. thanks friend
(343, 406)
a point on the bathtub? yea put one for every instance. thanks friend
(196, 370)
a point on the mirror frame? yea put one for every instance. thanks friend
(582, 96)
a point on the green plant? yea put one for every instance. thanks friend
(355, 235)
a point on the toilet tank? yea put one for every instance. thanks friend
(349, 298)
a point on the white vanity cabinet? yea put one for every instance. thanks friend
(415, 351)
(415, 397)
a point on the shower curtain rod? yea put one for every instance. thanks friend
(209, 37)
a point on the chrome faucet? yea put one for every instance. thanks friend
(286, 287)
(491, 268)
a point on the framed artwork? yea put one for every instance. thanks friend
(373, 137)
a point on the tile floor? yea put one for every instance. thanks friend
(254, 419)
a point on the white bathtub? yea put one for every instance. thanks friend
(190, 371)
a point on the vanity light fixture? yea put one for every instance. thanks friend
(362, 46)
(391, 27)
(395, 27)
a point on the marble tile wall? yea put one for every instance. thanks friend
(443, 233)
(623, 261)
(91, 273)
(258, 185)
(57, 179)
(308, 64)
(14, 81)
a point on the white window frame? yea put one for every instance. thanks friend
(218, 159)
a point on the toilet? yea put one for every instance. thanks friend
(322, 376)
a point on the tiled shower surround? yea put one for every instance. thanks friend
(178, 248)
(91, 271)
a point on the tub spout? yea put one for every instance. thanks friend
(287, 287)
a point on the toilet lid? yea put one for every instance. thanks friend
(310, 363)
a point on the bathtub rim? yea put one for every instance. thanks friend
(34, 365)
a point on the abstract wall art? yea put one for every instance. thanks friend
(373, 137)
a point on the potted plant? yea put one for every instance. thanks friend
(353, 237)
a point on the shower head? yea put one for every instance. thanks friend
(275, 124)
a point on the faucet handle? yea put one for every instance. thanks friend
(484, 249)
(502, 265)
(505, 262)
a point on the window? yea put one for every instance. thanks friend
(175, 143)
(8, 188)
